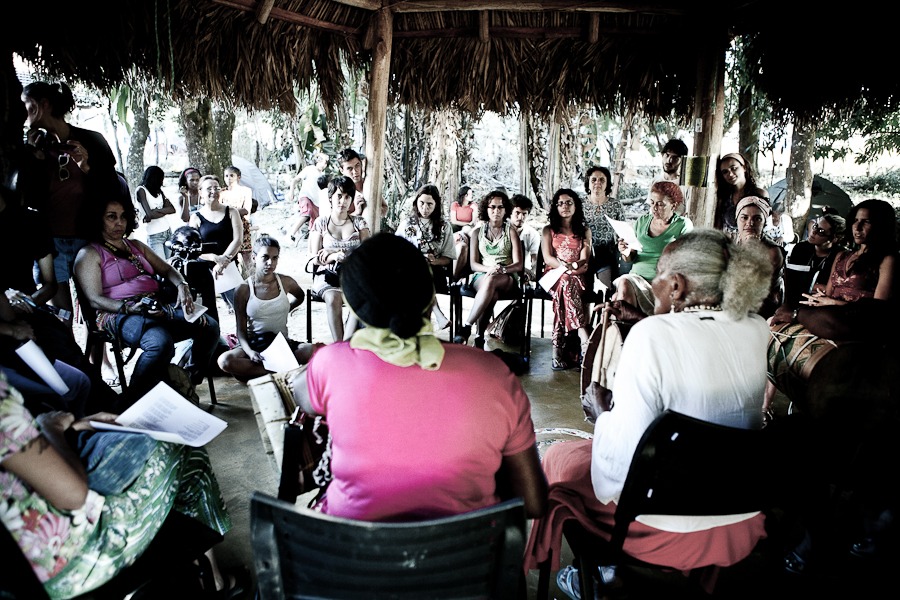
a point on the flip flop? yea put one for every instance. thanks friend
(560, 365)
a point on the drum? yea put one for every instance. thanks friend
(602, 355)
(828, 379)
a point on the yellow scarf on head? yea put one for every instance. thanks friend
(423, 349)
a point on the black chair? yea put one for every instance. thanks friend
(300, 553)
(538, 293)
(522, 293)
(96, 338)
(685, 466)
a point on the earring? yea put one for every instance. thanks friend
(672, 303)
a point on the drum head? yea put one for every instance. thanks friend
(600, 363)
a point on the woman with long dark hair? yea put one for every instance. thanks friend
(566, 243)
(867, 269)
(735, 181)
(426, 228)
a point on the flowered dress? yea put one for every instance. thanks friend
(568, 309)
(603, 237)
(850, 287)
(73, 552)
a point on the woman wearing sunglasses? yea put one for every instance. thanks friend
(72, 170)
(809, 264)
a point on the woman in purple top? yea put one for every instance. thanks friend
(118, 277)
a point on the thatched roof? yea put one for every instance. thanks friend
(490, 54)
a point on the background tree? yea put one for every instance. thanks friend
(207, 130)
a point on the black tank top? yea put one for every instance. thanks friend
(219, 233)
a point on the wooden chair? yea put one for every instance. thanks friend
(299, 553)
(685, 466)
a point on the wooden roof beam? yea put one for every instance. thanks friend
(289, 16)
(420, 6)
(263, 9)
(522, 32)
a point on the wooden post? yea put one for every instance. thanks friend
(376, 119)
(708, 121)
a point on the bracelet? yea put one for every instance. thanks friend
(122, 308)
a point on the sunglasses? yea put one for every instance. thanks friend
(819, 231)
(63, 161)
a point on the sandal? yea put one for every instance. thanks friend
(559, 364)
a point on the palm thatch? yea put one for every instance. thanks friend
(501, 55)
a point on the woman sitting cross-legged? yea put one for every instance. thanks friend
(83, 505)
(566, 243)
(702, 354)
(119, 279)
(261, 308)
(495, 256)
(654, 231)
(437, 427)
(331, 240)
(426, 228)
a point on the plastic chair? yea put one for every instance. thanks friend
(685, 466)
(300, 553)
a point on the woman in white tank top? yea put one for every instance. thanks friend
(261, 308)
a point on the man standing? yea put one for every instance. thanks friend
(352, 167)
(529, 236)
(673, 154)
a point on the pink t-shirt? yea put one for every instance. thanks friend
(410, 444)
(462, 213)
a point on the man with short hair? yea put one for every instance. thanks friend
(673, 154)
(352, 167)
(529, 236)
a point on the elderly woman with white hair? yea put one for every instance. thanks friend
(702, 354)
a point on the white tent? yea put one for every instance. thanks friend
(253, 178)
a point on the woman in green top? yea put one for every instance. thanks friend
(495, 257)
(654, 231)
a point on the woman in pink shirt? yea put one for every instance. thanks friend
(398, 451)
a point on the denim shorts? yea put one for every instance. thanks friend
(64, 261)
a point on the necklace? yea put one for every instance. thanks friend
(700, 307)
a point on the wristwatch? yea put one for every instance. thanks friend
(503, 270)
(575, 265)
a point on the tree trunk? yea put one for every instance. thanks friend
(207, 135)
(749, 127)
(799, 174)
(618, 164)
(443, 163)
(134, 161)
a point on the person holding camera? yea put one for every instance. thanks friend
(122, 279)
(66, 171)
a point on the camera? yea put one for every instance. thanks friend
(149, 305)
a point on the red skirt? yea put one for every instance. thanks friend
(571, 496)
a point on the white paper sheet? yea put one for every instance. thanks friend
(279, 357)
(199, 309)
(32, 355)
(625, 231)
(163, 414)
(229, 279)
(549, 279)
